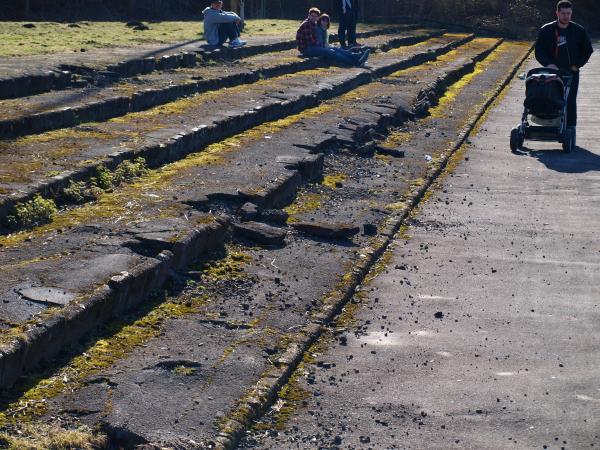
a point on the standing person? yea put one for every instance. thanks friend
(220, 26)
(565, 45)
(306, 38)
(347, 11)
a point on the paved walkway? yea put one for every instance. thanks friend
(484, 332)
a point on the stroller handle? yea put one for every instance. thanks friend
(563, 73)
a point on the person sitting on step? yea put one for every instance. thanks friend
(220, 26)
(308, 42)
(351, 58)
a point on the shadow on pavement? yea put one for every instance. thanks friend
(580, 160)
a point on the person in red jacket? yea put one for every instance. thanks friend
(565, 45)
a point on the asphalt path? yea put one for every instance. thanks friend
(484, 330)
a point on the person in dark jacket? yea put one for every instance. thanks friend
(565, 45)
(347, 11)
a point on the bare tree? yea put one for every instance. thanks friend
(27, 8)
(130, 7)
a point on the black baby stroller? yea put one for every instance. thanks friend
(545, 114)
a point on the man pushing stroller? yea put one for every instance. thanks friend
(564, 45)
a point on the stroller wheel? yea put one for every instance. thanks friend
(516, 139)
(569, 140)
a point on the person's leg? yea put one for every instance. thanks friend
(345, 57)
(572, 102)
(228, 31)
(330, 54)
(351, 25)
(316, 52)
(342, 30)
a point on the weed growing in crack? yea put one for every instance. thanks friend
(103, 178)
(125, 172)
(79, 192)
(37, 211)
(129, 170)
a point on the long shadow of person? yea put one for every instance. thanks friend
(580, 160)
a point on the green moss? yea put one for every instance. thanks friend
(229, 268)
(120, 340)
(304, 203)
(334, 181)
(184, 371)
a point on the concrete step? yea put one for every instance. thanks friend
(375, 112)
(199, 365)
(167, 133)
(71, 71)
(114, 98)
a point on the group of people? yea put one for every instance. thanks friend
(313, 41)
(312, 36)
(561, 44)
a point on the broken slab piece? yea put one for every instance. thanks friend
(260, 233)
(47, 295)
(327, 230)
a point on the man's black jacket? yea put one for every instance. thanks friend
(339, 3)
(578, 44)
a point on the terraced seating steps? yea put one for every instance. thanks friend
(40, 114)
(184, 131)
(177, 252)
(376, 105)
(67, 76)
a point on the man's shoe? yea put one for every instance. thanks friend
(236, 43)
(363, 58)
(355, 45)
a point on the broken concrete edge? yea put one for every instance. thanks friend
(266, 390)
(62, 77)
(181, 145)
(47, 337)
(118, 106)
(121, 293)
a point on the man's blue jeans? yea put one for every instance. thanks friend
(332, 53)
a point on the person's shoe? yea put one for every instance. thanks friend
(363, 58)
(236, 43)
(355, 45)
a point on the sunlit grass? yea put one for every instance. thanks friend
(52, 37)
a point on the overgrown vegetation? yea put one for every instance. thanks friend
(37, 211)
(46, 437)
(40, 211)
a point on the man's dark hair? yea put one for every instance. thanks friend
(564, 4)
